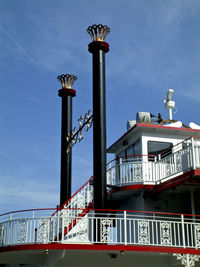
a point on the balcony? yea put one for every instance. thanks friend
(102, 227)
(184, 157)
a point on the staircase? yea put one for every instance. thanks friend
(76, 207)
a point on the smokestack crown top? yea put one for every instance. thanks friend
(98, 32)
(67, 80)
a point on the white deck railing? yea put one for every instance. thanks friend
(185, 156)
(107, 227)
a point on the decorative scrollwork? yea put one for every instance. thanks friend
(179, 161)
(89, 196)
(67, 80)
(1, 234)
(165, 233)
(197, 233)
(21, 234)
(187, 260)
(144, 232)
(84, 123)
(137, 172)
(98, 32)
(52, 227)
(43, 230)
(106, 235)
(68, 216)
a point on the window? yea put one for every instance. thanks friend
(163, 148)
(128, 155)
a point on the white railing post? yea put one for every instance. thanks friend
(9, 227)
(125, 229)
(62, 227)
(183, 229)
(120, 171)
(175, 162)
(117, 170)
(155, 170)
(110, 173)
(193, 153)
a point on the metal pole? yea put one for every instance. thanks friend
(66, 93)
(98, 49)
(66, 158)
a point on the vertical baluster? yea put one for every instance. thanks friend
(174, 235)
(130, 230)
(114, 175)
(122, 172)
(14, 233)
(183, 230)
(178, 233)
(175, 162)
(157, 227)
(9, 228)
(126, 172)
(193, 153)
(120, 230)
(119, 172)
(58, 226)
(131, 172)
(192, 226)
(53, 228)
(62, 228)
(125, 229)
(26, 229)
(134, 232)
(116, 230)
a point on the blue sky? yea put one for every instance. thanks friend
(154, 45)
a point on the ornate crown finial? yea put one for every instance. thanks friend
(98, 32)
(67, 80)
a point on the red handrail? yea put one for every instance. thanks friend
(130, 156)
(108, 210)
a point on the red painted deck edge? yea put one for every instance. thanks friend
(174, 182)
(101, 247)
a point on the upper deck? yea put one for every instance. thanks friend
(155, 169)
(151, 154)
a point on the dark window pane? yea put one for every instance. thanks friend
(163, 148)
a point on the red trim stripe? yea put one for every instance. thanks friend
(102, 247)
(174, 182)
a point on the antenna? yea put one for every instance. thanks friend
(169, 104)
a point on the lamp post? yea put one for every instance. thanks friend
(66, 93)
(98, 47)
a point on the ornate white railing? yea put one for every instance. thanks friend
(107, 227)
(81, 199)
(185, 156)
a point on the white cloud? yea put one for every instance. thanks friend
(24, 193)
(18, 45)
